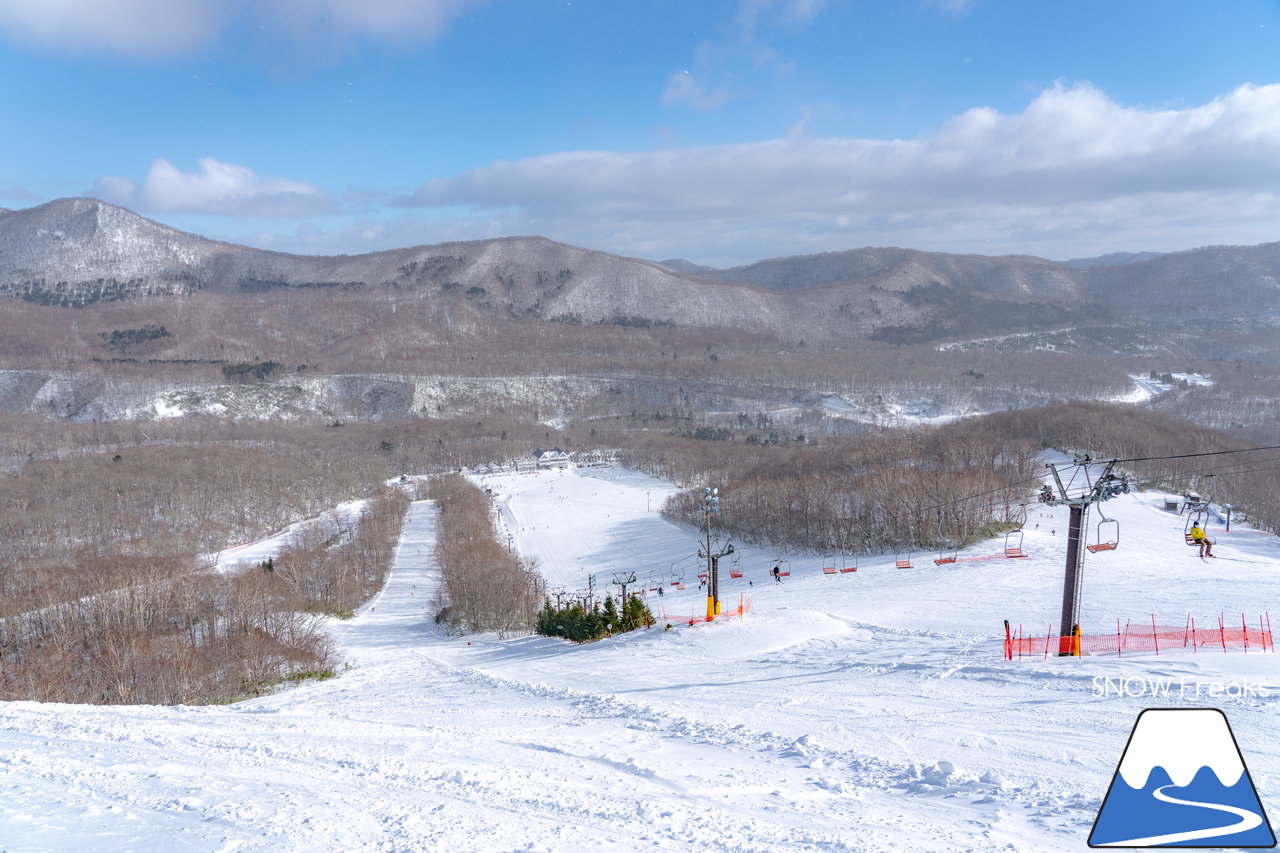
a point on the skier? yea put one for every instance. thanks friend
(777, 574)
(1198, 537)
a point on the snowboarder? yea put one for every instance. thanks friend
(1198, 537)
(777, 574)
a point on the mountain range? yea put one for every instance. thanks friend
(77, 252)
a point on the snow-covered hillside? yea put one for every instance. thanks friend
(866, 711)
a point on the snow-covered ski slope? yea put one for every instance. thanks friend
(868, 711)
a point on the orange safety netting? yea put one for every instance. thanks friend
(727, 612)
(1145, 637)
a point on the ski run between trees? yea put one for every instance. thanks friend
(867, 711)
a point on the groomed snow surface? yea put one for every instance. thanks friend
(867, 711)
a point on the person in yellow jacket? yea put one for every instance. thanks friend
(1198, 537)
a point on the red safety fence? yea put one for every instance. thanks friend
(1145, 636)
(726, 612)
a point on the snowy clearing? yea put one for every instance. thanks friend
(865, 711)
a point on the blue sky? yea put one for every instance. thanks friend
(722, 131)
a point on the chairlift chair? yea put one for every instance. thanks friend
(829, 565)
(1197, 509)
(1112, 537)
(1013, 538)
(845, 566)
(1192, 521)
(904, 560)
(1013, 544)
(735, 566)
(948, 551)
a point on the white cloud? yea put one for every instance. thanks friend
(685, 88)
(955, 8)
(162, 29)
(733, 62)
(397, 20)
(218, 188)
(751, 12)
(151, 29)
(19, 195)
(1073, 170)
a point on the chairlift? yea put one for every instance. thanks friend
(829, 565)
(783, 566)
(948, 551)
(735, 566)
(846, 566)
(1112, 537)
(1193, 519)
(1013, 539)
(1013, 544)
(1198, 509)
(904, 559)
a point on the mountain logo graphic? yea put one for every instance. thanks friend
(1182, 782)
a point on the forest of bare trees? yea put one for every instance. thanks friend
(896, 489)
(486, 587)
(943, 486)
(1171, 452)
(104, 596)
(165, 629)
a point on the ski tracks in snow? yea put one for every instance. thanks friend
(428, 743)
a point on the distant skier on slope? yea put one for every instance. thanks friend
(777, 574)
(1198, 537)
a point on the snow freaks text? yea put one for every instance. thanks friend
(1184, 687)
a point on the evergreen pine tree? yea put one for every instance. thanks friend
(612, 624)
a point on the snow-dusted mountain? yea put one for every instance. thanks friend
(80, 251)
(1237, 280)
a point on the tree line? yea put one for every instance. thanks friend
(1170, 449)
(901, 488)
(163, 629)
(582, 624)
(943, 486)
(486, 587)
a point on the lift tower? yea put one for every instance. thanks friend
(710, 506)
(1079, 493)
